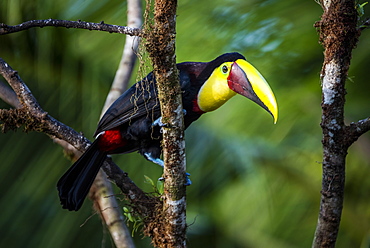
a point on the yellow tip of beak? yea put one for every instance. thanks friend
(273, 108)
(275, 116)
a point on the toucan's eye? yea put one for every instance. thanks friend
(224, 69)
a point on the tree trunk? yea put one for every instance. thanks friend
(338, 35)
(161, 47)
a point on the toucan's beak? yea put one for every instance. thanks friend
(245, 80)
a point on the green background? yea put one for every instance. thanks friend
(255, 184)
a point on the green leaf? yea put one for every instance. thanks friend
(160, 187)
(148, 180)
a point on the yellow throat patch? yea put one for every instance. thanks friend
(215, 91)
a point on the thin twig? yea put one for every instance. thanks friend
(356, 129)
(6, 29)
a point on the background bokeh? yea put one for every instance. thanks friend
(255, 184)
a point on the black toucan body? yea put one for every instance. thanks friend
(130, 124)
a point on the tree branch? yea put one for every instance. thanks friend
(356, 129)
(36, 119)
(108, 206)
(6, 29)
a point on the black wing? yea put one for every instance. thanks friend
(139, 101)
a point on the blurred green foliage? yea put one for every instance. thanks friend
(255, 184)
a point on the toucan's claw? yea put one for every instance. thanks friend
(158, 122)
(160, 162)
(157, 161)
(188, 181)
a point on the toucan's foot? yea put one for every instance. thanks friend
(160, 162)
(188, 181)
(157, 161)
(158, 122)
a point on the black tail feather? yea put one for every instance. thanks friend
(75, 184)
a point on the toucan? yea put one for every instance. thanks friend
(133, 121)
